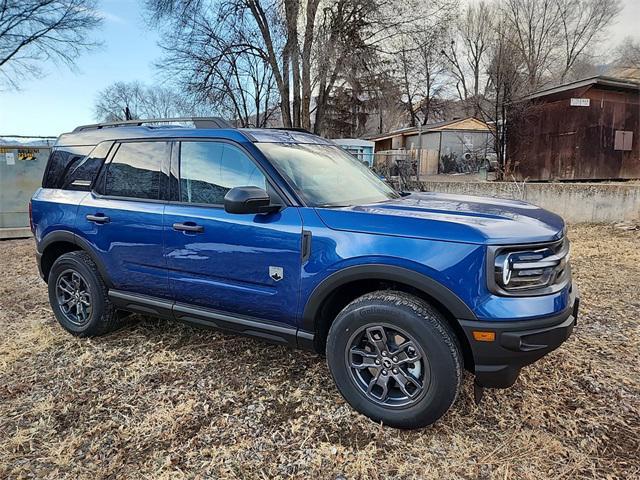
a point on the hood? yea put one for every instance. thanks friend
(458, 218)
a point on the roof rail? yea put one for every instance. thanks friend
(199, 122)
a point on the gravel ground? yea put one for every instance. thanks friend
(164, 400)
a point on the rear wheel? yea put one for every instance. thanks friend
(78, 296)
(394, 359)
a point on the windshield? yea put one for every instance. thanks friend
(326, 175)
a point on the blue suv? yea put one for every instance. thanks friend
(282, 235)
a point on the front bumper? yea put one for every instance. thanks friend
(497, 363)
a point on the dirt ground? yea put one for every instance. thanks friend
(164, 400)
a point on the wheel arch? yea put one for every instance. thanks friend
(344, 286)
(57, 243)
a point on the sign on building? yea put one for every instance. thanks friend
(580, 102)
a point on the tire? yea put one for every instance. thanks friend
(96, 318)
(414, 330)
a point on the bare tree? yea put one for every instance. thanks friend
(136, 100)
(34, 31)
(216, 60)
(507, 82)
(552, 35)
(212, 36)
(433, 77)
(536, 25)
(628, 53)
(343, 54)
(422, 68)
(306, 50)
(467, 50)
(582, 21)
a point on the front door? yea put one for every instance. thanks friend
(246, 265)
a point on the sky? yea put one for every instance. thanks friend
(62, 99)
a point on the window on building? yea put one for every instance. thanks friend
(135, 170)
(208, 170)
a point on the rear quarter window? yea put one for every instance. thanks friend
(83, 172)
(61, 161)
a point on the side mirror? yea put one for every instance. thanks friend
(248, 200)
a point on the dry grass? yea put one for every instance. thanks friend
(163, 400)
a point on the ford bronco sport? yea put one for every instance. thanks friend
(282, 235)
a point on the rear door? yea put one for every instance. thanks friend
(245, 264)
(123, 216)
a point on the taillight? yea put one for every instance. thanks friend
(33, 230)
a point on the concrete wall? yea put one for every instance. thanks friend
(575, 202)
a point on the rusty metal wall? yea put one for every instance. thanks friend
(551, 140)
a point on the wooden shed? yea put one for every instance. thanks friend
(584, 130)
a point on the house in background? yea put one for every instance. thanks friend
(361, 149)
(583, 130)
(455, 146)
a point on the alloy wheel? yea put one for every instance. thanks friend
(74, 298)
(388, 365)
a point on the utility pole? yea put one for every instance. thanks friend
(419, 164)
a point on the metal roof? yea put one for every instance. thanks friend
(436, 126)
(598, 80)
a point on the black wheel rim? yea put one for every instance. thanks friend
(74, 298)
(388, 366)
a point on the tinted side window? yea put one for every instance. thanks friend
(82, 174)
(135, 170)
(208, 170)
(61, 161)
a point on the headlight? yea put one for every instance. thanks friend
(530, 269)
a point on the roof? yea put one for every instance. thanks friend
(95, 136)
(468, 124)
(354, 141)
(614, 82)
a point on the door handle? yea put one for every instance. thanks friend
(98, 218)
(188, 227)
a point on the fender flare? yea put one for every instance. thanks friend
(81, 243)
(53, 237)
(427, 285)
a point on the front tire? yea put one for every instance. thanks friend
(79, 297)
(395, 359)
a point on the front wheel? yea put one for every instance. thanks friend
(394, 359)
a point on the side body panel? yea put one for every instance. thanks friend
(460, 267)
(229, 266)
(129, 245)
(54, 210)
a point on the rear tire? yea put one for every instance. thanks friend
(395, 359)
(79, 297)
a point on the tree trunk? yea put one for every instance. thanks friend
(305, 113)
(281, 74)
(292, 12)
